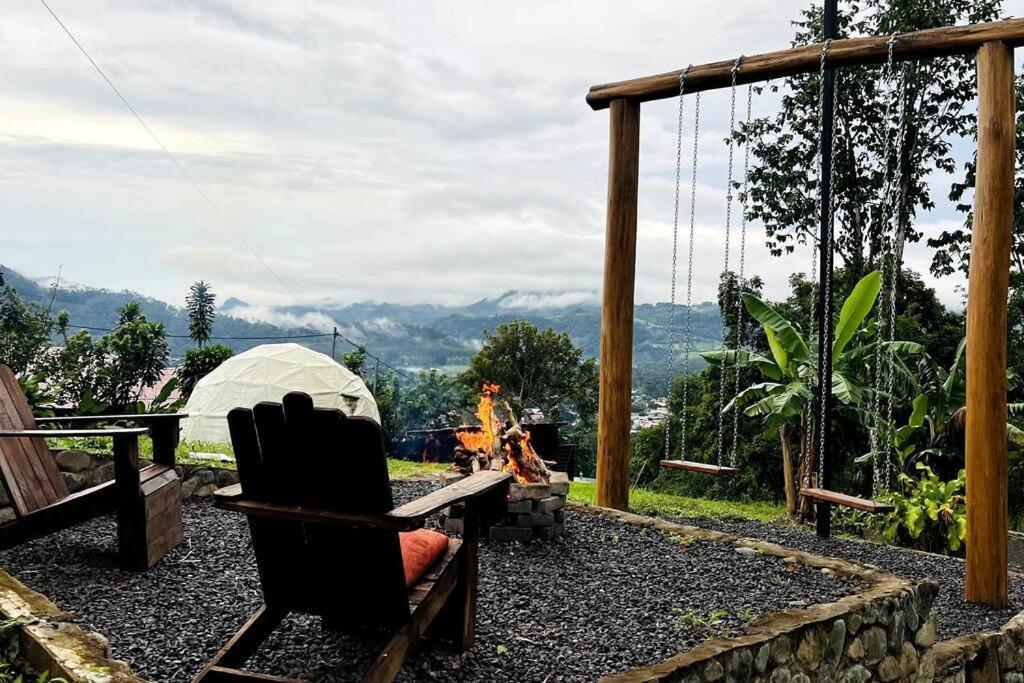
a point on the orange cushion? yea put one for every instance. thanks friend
(420, 550)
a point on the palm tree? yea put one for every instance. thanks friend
(200, 304)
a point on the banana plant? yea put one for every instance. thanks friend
(938, 411)
(790, 375)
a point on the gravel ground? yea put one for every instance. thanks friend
(605, 598)
(955, 617)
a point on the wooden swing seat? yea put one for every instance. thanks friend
(700, 468)
(847, 501)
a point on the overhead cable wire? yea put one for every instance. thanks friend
(223, 218)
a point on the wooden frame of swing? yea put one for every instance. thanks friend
(986, 447)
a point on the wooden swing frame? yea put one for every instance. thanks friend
(986, 448)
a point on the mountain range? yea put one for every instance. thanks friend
(410, 336)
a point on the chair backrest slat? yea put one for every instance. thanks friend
(290, 453)
(29, 471)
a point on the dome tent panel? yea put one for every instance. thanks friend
(267, 373)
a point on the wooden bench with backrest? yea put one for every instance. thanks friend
(147, 500)
(328, 540)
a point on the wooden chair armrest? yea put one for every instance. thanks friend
(72, 433)
(231, 498)
(474, 486)
(149, 417)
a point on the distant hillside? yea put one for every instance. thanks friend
(409, 336)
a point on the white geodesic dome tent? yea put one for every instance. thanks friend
(267, 373)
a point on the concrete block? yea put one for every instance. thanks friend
(550, 504)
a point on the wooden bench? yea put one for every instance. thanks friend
(700, 468)
(329, 545)
(847, 501)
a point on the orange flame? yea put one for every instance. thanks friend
(482, 438)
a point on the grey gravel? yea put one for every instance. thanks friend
(607, 597)
(955, 617)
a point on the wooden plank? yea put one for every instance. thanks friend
(32, 469)
(700, 468)
(389, 661)
(297, 513)
(930, 43)
(846, 501)
(241, 646)
(470, 487)
(616, 367)
(222, 674)
(986, 456)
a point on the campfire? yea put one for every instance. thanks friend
(498, 444)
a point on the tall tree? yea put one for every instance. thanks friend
(784, 177)
(539, 367)
(200, 304)
(953, 247)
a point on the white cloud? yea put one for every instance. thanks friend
(392, 151)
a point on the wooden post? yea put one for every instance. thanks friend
(617, 308)
(986, 329)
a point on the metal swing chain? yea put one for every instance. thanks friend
(687, 336)
(894, 270)
(742, 274)
(675, 255)
(723, 375)
(812, 325)
(887, 282)
(826, 382)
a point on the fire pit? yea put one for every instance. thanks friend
(537, 495)
(535, 511)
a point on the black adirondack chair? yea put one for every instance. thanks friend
(147, 500)
(325, 532)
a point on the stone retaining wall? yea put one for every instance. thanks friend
(883, 633)
(982, 657)
(49, 643)
(82, 469)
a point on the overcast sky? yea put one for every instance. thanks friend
(394, 151)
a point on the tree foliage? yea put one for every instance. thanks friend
(435, 401)
(783, 181)
(198, 363)
(541, 368)
(201, 306)
(25, 329)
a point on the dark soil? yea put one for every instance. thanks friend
(605, 598)
(955, 617)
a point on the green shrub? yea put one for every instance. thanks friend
(198, 363)
(930, 514)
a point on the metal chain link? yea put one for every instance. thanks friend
(687, 336)
(724, 366)
(675, 256)
(894, 269)
(875, 433)
(825, 383)
(815, 238)
(742, 275)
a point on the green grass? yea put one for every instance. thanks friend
(407, 468)
(184, 455)
(641, 501)
(646, 502)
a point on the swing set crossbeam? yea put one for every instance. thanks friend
(936, 42)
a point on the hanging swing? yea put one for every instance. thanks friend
(880, 435)
(718, 468)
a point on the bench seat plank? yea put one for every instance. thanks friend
(700, 468)
(846, 501)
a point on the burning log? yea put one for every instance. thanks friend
(498, 445)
